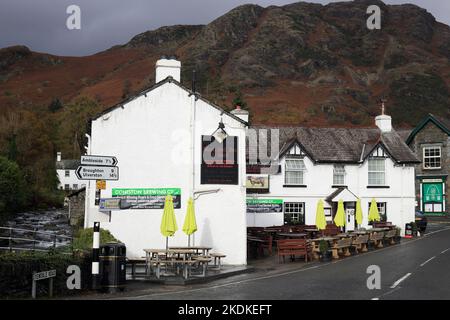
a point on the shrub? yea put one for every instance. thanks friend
(84, 237)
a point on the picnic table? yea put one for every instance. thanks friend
(315, 244)
(155, 258)
(292, 235)
(205, 250)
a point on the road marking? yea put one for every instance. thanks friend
(375, 299)
(427, 261)
(144, 294)
(396, 283)
(445, 250)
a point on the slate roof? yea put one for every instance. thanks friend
(67, 164)
(335, 145)
(441, 122)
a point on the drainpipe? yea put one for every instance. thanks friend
(88, 186)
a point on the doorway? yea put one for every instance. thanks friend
(350, 209)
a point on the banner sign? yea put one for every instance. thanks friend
(148, 198)
(264, 205)
(219, 161)
(432, 192)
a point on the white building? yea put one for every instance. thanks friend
(65, 170)
(157, 139)
(332, 164)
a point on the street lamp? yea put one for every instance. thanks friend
(220, 134)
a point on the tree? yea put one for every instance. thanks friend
(12, 188)
(55, 105)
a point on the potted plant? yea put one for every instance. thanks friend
(397, 237)
(325, 253)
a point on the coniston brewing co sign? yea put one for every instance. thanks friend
(148, 198)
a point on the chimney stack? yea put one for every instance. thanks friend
(240, 113)
(166, 67)
(58, 156)
(384, 122)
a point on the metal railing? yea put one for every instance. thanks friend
(12, 239)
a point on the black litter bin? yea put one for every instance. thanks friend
(113, 266)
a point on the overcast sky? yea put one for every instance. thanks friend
(41, 24)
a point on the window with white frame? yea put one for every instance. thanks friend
(66, 187)
(294, 171)
(377, 171)
(294, 212)
(67, 173)
(432, 157)
(381, 210)
(75, 186)
(338, 175)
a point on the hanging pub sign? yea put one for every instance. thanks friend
(264, 205)
(147, 198)
(257, 183)
(219, 161)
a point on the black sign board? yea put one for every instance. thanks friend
(219, 161)
(408, 231)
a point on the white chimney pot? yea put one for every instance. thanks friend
(58, 156)
(240, 113)
(384, 122)
(166, 68)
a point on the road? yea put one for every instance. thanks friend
(415, 269)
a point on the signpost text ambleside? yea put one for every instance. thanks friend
(98, 160)
(148, 198)
(98, 168)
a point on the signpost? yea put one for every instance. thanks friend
(99, 160)
(97, 173)
(50, 274)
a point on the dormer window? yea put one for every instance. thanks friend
(294, 171)
(339, 175)
(432, 157)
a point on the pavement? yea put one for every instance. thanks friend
(415, 269)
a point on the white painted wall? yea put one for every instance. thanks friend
(151, 138)
(71, 180)
(400, 197)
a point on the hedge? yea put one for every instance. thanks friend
(16, 271)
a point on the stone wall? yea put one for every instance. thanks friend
(431, 134)
(76, 207)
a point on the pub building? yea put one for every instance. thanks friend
(168, 139)
(430, 140)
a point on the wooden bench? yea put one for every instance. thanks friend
(292, 248)
(389, 236)
(217, 259)
(331, 230)
(377, 239)
(134, 261)
(343, 246)
(261, 242)
(360, 243)
(203, 261)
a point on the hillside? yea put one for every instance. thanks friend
(303, 64)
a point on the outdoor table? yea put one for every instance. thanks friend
(315, 243)
(293, 235)
(150, 254)
(205, 250)
(359, 232)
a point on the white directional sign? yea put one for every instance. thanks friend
(97, 173)
(98, 160)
